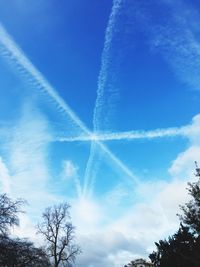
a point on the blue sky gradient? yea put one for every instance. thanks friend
(87, 70)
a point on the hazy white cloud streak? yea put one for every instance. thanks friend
(71, 171)
(176, 39)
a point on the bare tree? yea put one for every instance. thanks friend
(58, 231)
(9, 210)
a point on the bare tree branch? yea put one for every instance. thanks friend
(9, 210)
(59, 234)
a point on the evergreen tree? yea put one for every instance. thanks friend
(183, 248)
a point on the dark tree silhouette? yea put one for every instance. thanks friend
(21, 253)
(16, 252)
(58, 232)
(191, 210)
(183, 248)
(9, 210)
(138, 263)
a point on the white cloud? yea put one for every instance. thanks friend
(87, 215)
(4, 178)
(26, 228)
(151, 217)
(69, 169)
(177, 41)
(133, 232)
(108, 239)
(26, 173)
(108, 248)
(183, 165)
(70, 172)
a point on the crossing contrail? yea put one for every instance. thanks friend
(129, 135)
(10, 50)
(90, 172)
(105, 63)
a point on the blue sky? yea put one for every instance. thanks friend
(99, 106)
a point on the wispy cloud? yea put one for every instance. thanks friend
(175, 37)
(27, 154)
(4, 178)
(24, 168)
(70, 171)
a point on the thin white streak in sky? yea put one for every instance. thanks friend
(130, 135)
(18, 57)
(99, 105)
(105, 60)
(10, 50)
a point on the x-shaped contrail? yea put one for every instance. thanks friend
(11, 50)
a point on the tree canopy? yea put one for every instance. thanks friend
(183, 248)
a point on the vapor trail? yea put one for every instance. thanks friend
(10, 50)
(129, 135)
(14, 53)
(105, 60)
(99, 105)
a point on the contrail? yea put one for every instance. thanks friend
(14, 53)
(129, 135)
(105, 60)
(10, 50)
(99, 105)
